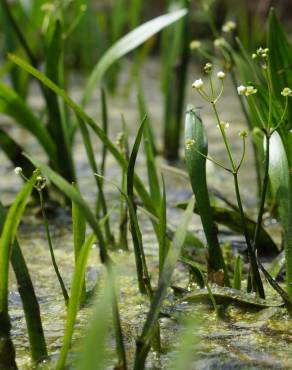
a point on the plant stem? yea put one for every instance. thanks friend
(250, 127)
(63, 288)
(257, 284)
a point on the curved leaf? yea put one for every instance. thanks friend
(12, 105)
(280, 177)
(80, 114)
(126, 44)
(227, 295)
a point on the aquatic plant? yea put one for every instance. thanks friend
(217, 274)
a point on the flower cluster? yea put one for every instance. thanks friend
(195, 44)
(261, 54)
(286, 92)
(208, 68)
(228, 26)
(246, 90)
(189, 143)
(219, 43)
(242, 134)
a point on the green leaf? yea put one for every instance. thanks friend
(14, 152)
(135, 230)
(126, 44)
(280, 177)
(280, 54)
(74, 301)
(196, 150)
(73, 194)
(58, 123)
(143, 343)
(93, 356)
(232, 220)
(237, 273)
(140, 188)
(12, 105)
(8, 236)
(149, 151)
(79, 229)
(225, 295)
(28, 298)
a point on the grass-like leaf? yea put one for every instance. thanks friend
(73, 194)
(126, 44)
(140, 188)
(93, 356)
(7, 354)
(74, 301)
(14, 152)
(8, 236)
(28, 298)
(143, 342)
(12, 105)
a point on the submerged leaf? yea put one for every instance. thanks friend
(232, 220)
(227, 295)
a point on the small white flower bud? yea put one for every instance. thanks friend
(18, 170)
(198, 84)
(221, 75)
(219, 43)
(228, 26)
(195, 44)
(241, 90)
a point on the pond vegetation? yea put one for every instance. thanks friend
(124, 243)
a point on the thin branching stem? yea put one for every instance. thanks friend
(257, 284)
(242, 157)
(55, 265)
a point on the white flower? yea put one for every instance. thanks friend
(246, 90)
(219, 43)
(286, 92)
(221, 75)
(241, 90)
(198, 84)
(18, 170)
(208, 67)
(228, 26)
(195, 44)
(250, 90)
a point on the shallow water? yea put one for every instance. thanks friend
(243, 339)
